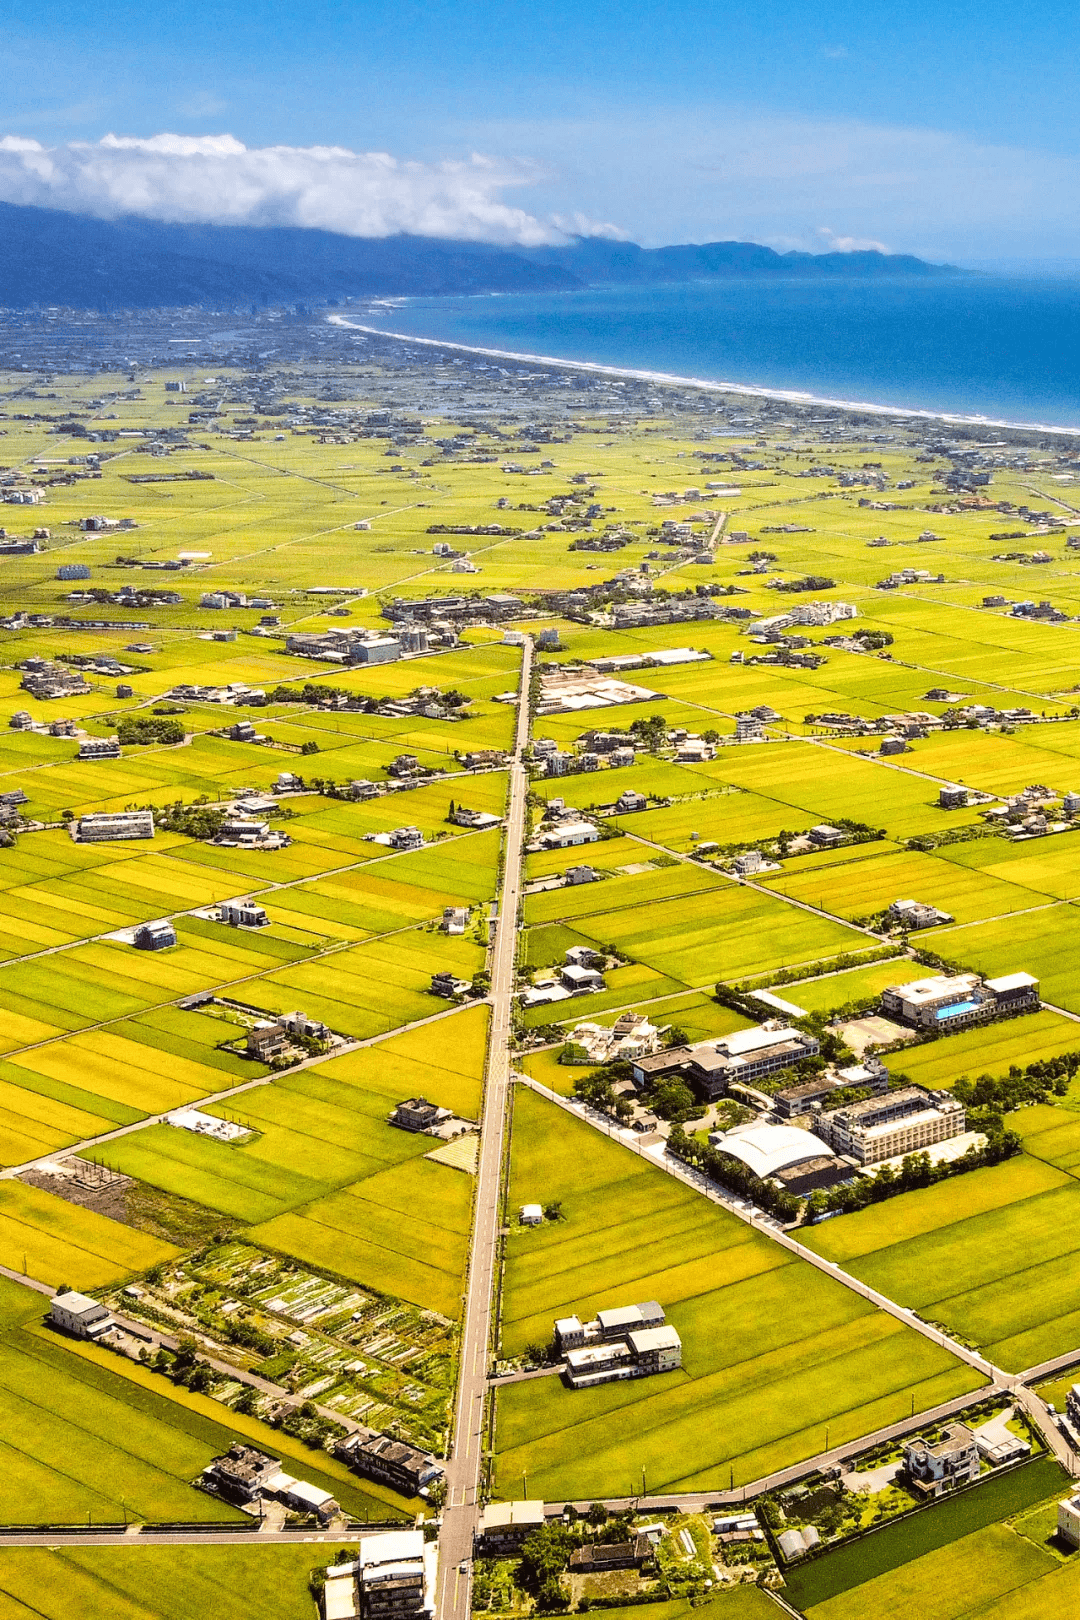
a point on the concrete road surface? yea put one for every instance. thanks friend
(463, 1473)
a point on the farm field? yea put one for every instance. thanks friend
(60, 1403)
(986, 1555)
(987, 1255)
(865, 888)
(993, 1050)
(313, 1131)
(317, 517)
(56, 1242)
(800, 1336)
(166, 1583)
(700, 934)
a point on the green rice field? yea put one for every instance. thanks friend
(742, 1404)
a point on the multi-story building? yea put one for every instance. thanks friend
(744, 1056)
(82, 1317)
(391, 1462)
(888, 1127)
(417, 1114)
(947, 1003)
(267, 1040)
(1068, 1521)
(393, 1576)
(931, 1470)
(105, 826)
(99, 748)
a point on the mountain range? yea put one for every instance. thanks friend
(49, 257)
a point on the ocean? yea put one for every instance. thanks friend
(990, 347)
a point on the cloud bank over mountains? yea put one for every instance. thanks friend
(217, 180)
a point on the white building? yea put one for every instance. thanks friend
(948, 1003)
(569, 833)
(897, 1123)
(108, 827)
(242, 914)
(768, 1149)
(80, 1316)
(1068, 1521)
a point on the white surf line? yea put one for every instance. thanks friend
(785, 396)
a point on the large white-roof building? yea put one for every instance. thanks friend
(768, 1149)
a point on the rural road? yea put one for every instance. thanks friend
(464, 1468)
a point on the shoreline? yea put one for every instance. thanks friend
(786, 396)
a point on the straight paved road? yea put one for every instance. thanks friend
(137, 1536)
(463, 1473)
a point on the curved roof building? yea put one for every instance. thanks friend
(768, 1149)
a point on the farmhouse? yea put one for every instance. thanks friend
(628, 1341)
(417, 1114)
(931, 1470)
(912, 914)
(567, 834)
(241, 1474)
(389, 1461)
(155, 936)
(611, 1555)
(82, 1317)
(478, 820)
(504, 1527)
(242, 914)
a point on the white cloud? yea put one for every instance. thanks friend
(828, 241)
(216, 179)
(579, 224)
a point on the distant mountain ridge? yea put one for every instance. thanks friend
(50, 257)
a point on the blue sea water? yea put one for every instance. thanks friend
(986, 346)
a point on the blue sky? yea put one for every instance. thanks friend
(946, 129)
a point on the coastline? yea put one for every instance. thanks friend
(787, 396)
